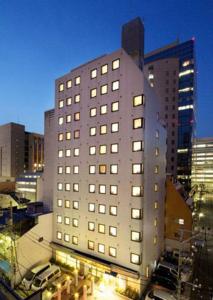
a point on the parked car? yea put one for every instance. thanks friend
(166, 273)
(53, 287)
(158, 294)
(31, 274)
(164, 282)
(168, 267)
(48, 276)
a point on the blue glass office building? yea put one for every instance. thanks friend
(185, 52)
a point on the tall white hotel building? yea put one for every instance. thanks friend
(108, 166)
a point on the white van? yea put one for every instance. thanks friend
(48, 276)
(158, 294)
(30, 276)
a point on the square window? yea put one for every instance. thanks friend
(76, 134)
(92, 131)
(101, 228)
(67, 186)
(60, 170)
(102, 169)
(103, 129)
(92, 169)
(68, 118)
(68, 135)
(93, 112)
(137, 123)
(136, 213)
(137, 146)
(93, 73)
(66, 237)
(60, 186)
(60, 137)
(112, 251)
(138, 100)
(75, 187)
(91, 207)
(75, 240)
(104, 89)
(115, 85)
(77, 116)
(104, 69)
(68, 170)
(135, 259)
(93, 93)
(101, 248)
(67, 203)
(114, 148)
(115, 127)
(68, 101)
(60, 103)
(113, 169)
(75, 222)
(155, 187)
(61, 87)
(102, 208)
(69, 84)
(60, 153)
(75, 205)
(68, 152)
(92, 150)
(103, 109)
(91, 188)
(59, 202)
(76, 151)
(102, 149)
(116, 64)
(77, 80)
(75, 169)
(181, 221)
(113, 189)
(91, 245)
(136, 191)
(60, 120)
(77, 98)
(115, 106)
(155, 204)
(59, 235)
(137, 168)
(102, 188)
(112, 231)
(135, 236)
(113, 210)
(91, 226)
(66, 220)
(59, 219)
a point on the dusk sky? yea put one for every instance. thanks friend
(42, 40)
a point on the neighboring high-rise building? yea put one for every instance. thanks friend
(20, 151)
(202, 168)
(109, 167)
(171, 71)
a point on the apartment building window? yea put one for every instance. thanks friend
(77, 116)
(75, 240)
(104, 69)
(59, 235)
(102, 169)
(69, 101)
(67, 203)
(91, 188)
(76, 134)
(114, 127)
(156, 151)
(92, 169)
(59, 219)
(66, 220)
(101, 248)
(113, 169)
(136, 213)
(104, 89)
(114, 148)
(68, 118)
(103, 109)
(115, 85)
(75, 222)
(68, 135)
(66, 237)
(92, 131)
(156, 169)
(91, 226)
(68, 152)
(102, 189)
(60, 137)
(60, 153)
(76, 151)
(93, 112)
(138, 100)
(155, 205)
(101, 228)
(77, 98)
(137, 168)
(135, 259)
(102, 149)
(138, 123)
(60, 120)
(181, 221)
(60, 186)
(103, 129)
(91, 207)
(115, 64)
(113, 210)
(112, 231)
(93, 73)
(115, 106)
(157, 134)
(75, 169)
(61, 87)
(155, 240)
(93, 93)
(155, 222)
(60, 103)
(135, 236)
(136, 191)
(137, 146)
(75, 205)
(75, 187)
(77, 80)
(113, 189)
(91, 245)
(59, 202)
(67, 187)
(92, 150)
(69, 84)
(102, 209)
(60, 170)
(112, 252)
